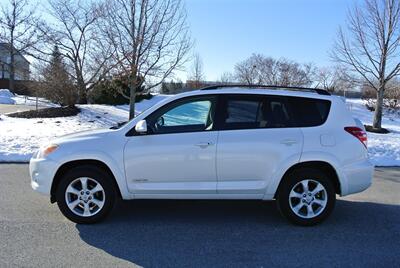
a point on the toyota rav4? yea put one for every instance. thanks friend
(299, 146)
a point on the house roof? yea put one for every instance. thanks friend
(6, 46)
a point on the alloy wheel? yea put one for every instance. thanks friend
(85, 197)
(308, 198)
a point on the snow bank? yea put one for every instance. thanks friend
(6, 97)
(6, 93)
(5, 100)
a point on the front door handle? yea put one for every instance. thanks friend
(204, 144)
(288, 142)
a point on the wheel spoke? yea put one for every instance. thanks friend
(295, 194)
(305, 185)
(72, 190)
(310, 211)
(84, 183)
(317, 189)
(96, 189)
(72, 205)
(86, 210)
(98, 203)
(319, 202)
(298, 207)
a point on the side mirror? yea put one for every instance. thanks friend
(141, 127)
(160, 121)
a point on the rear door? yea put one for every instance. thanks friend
(256, 137)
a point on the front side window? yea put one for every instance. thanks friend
(185, 116)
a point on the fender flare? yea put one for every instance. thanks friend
(116, 169)
(305, 157)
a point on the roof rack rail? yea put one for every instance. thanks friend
(306, 89)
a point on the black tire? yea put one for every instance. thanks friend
(100, 176)
(290, 181)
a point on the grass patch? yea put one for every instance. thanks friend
(382, 130)
(51, 112)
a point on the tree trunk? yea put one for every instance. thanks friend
(82, 96)
(11, 71)
(378, 109)
(132, 97)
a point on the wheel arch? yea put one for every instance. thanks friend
(75, 163)
(323, 166)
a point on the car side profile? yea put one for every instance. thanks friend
(299, 146)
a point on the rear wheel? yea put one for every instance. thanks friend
(85, 194)
(306, 197)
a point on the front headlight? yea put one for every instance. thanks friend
(45, 151)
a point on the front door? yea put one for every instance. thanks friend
(177, 155)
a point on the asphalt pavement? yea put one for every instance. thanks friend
(363, 231)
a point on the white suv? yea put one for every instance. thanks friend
(298, 146)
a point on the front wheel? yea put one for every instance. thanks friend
(85, 194)
(306, 197)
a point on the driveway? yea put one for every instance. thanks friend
(363, 231)
(13, 108)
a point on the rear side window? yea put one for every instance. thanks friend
(242, 113)
(309, 112)
(250, 112)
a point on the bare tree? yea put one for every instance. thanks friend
(258, 69)
(74, 28)
(247, 71)
(370, 46)
(197, 74)
(151, 40)
(18, 31)
(226, 78)
(291, 73)
(335, 79)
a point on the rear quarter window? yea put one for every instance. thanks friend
(308, 112)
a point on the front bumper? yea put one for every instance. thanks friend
(42, 172)
(358, 177)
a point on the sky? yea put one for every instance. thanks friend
(228, 31)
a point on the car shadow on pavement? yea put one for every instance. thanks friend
(165, 233)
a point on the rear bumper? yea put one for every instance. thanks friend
(357, 177)
(42, 172)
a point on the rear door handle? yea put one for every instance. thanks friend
(289, 142)
(204, 144)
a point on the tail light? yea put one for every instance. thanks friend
(359, 133)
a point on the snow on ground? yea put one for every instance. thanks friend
(384, 149)
(20, 137)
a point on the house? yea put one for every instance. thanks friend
(21, 64)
